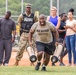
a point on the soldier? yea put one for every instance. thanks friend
(25, 21)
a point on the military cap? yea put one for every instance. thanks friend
(28, 5)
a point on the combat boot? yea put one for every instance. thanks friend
(16, 63)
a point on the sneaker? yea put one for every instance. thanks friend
(6, 64)
(37, 66)
(0, 64)
(43, 69)
(16, 63)
(53, 64)
(62, 64)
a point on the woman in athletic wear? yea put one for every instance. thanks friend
(53, 18)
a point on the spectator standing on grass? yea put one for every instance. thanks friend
(7, 25)
(62, 33)
(25, 21)
(53, 18)
(70, 37)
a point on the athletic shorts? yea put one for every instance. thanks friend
(48, 47)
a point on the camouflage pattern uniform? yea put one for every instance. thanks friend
(24, 42)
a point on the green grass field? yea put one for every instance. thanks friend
(30, 71)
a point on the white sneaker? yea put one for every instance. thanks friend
(5, 64)
(0, 64)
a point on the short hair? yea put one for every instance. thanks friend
(61, 15)
(42, 15)
(9, 13)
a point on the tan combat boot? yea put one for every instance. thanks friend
(16, 63)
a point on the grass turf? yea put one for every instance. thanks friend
(11, 70)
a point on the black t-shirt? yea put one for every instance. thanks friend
(62, 35)
(6, 28)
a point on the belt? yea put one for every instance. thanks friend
(27, 31)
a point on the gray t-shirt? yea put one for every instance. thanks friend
(6, 28)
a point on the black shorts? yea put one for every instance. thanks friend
(48, 47)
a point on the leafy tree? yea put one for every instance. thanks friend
(43, 6)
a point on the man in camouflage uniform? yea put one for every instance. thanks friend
(25, 21)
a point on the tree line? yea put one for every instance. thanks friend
(43, 6)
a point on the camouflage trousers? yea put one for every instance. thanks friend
(23, 44)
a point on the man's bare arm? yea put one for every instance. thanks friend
(30, 36)
(56, 34)
(14, 33)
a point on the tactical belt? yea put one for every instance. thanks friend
(27, 31)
